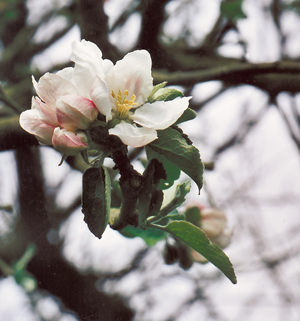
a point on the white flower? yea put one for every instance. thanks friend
(120, 93)
(59, 113)
(70, 100)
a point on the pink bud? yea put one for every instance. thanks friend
(68, 142)
(75, 112)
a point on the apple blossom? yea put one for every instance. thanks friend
(121, 91)
(70, 100)
(59, 108)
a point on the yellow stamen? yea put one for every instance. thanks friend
(123, 104)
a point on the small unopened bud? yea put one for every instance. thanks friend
(69, 143)
(214, 223)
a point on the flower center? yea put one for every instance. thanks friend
(123, 104)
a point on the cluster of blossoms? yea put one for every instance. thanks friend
(69, 101)
(214, 223)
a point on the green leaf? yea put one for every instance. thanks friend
(96, 199)
(155, 89)
(177, 149)
(232, 10)
(150, 235)
(176, 216)
(171, 203)
(188, 114)
(172, 171)
(193, 215)
(166, 94)
(197, 239)
(172, 199)
(150, 198)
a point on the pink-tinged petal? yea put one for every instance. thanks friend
(49, 113)
(101, 97)
(51, 86)
(132, 135)
(88, 64)
(69, 142)
(34, 123)
(133, 73)
(75, 112)
(160, 114)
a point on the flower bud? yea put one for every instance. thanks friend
(69, 142)
(214, 223)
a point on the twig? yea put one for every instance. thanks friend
(9, 102)
(241, 133)
(261, 75)
(5, 268)
(289, 127)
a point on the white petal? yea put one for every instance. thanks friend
(34, 123)
(51, 86)
(49, 112)
(88, 64)
(101, 98)
(133, 73)
(132, 135)
(107, 66)
(160, 114)
(75, 112)
(66, 73)
(87, 52)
